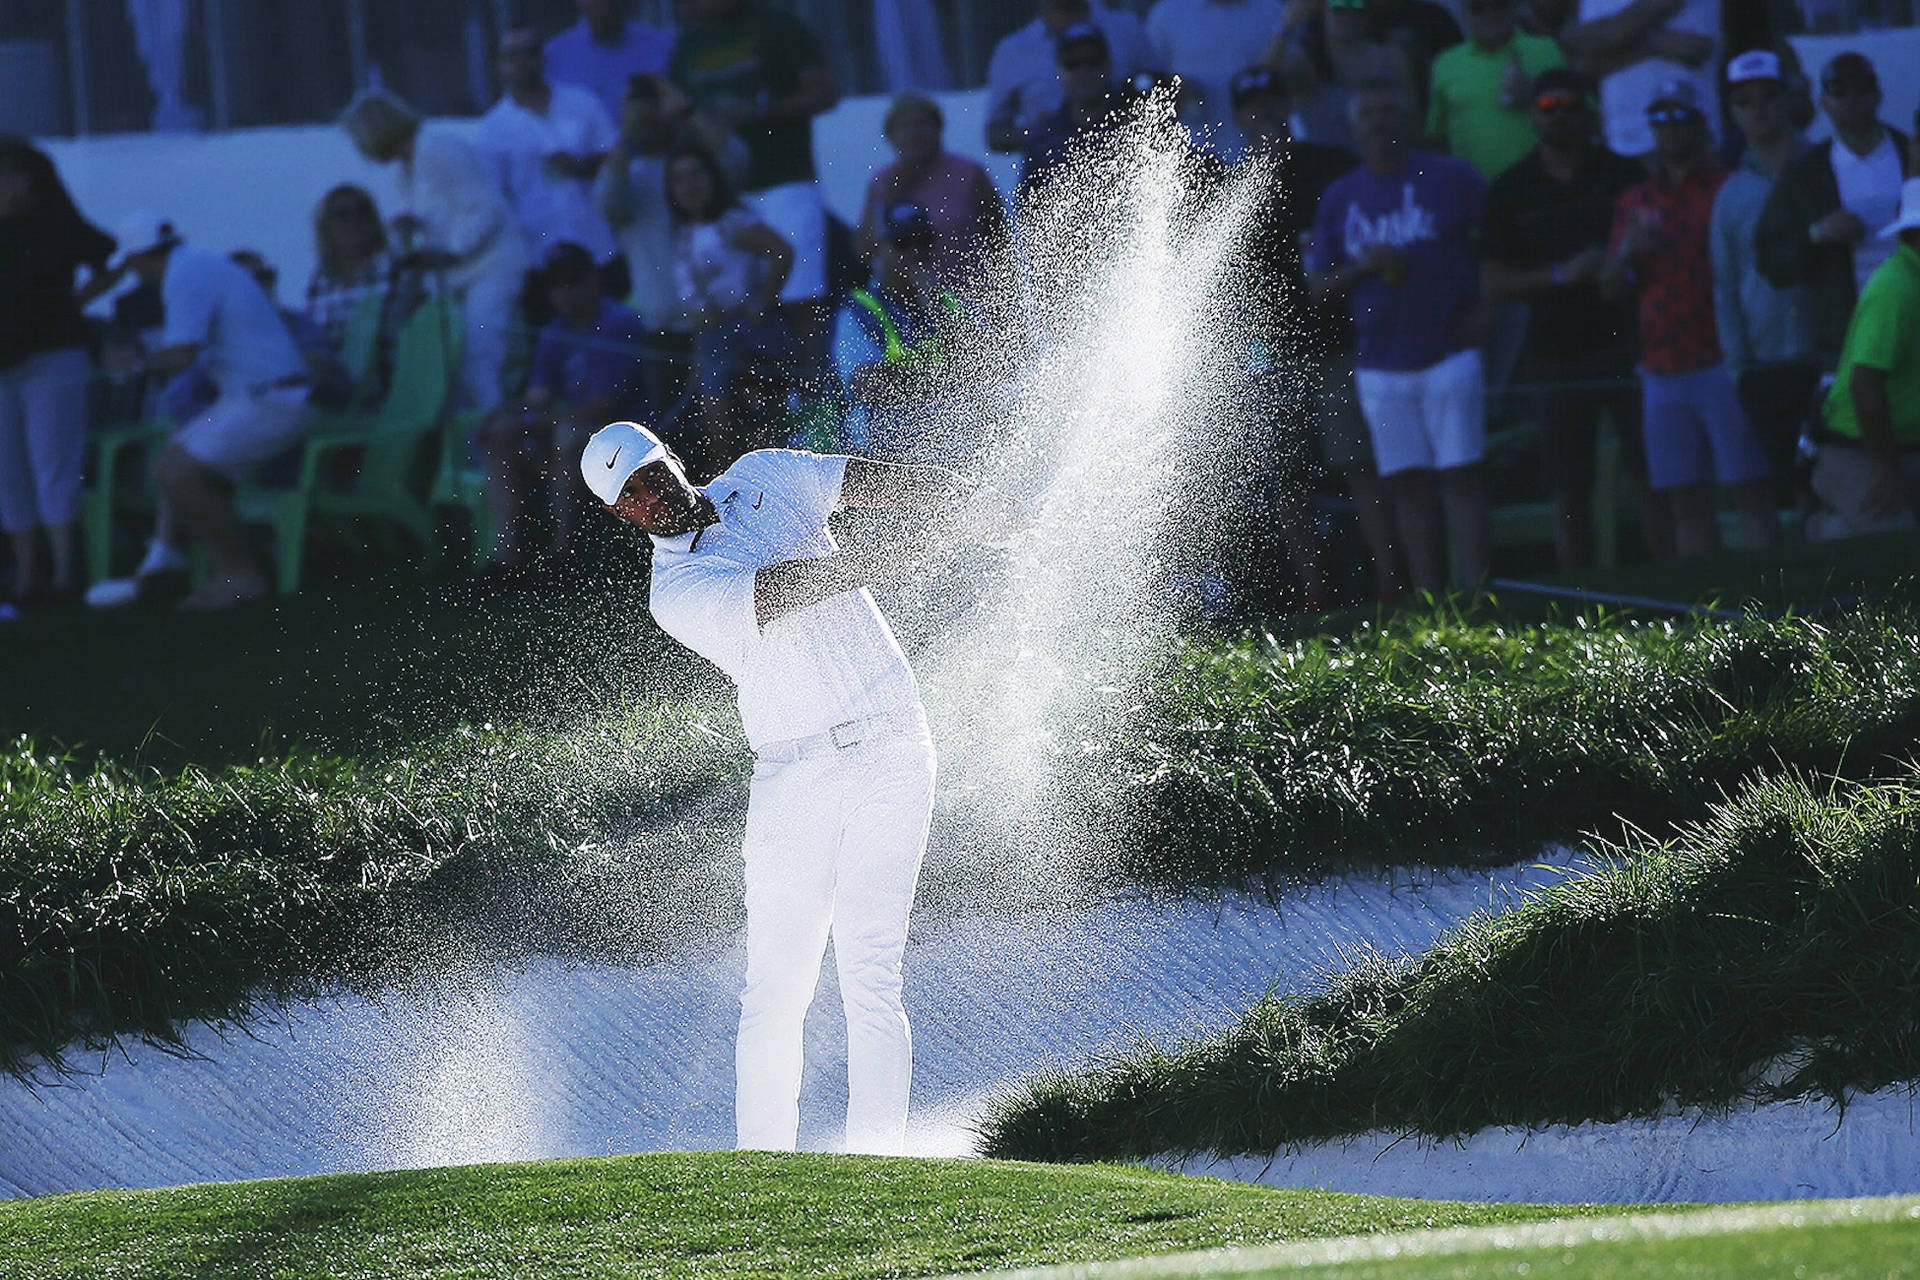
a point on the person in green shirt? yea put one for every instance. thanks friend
(1867, 473)
(1477, 107)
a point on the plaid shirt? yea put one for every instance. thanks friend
(332, 300)
(1675, 276)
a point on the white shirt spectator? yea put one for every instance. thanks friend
(550, 209)
(711, 272)
(451, 188)
(1209, 42)
(634, 204)
(213, 302)
(1870, 187)
(575, 57)
(1024, 63)
(1624, 95)
(806, 671)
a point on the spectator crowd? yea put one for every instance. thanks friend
(1586, 221)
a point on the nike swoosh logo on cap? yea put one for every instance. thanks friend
(616, 456)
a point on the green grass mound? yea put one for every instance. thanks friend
(131, 901)
(1869, 1239)
(1770, 951)
(720, 1214)
(1456, 738)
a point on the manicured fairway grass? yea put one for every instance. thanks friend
(712, 1214)
(1843, 1238)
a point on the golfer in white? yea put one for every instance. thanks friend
(746, 574)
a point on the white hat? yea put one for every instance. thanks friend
(1754, 64)
(144, 230)
(1909, 210)
(615, 452)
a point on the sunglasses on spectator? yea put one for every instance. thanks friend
(1850, 87)
(349, 213)
(1673, 115)
(1558, 104)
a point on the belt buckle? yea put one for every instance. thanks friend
(833, 735)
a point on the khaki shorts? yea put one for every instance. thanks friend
(1842, 475)
(238, 434)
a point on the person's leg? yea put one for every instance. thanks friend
(196, 472)
(488, 311)
(54, 404)
(1454, 411)
(1569, 423)
(1679, 461)
(879, 864)
(1347, 450)
(793, 825)
(1777, 399)
(202, 500)
(1656, 522)
(1371, 513)
(1695, 530)
(1416, 515)
(19, 498)
(1740, 461)
(1390, 402)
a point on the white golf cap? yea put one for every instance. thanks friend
(615, 452)
(1909, 210)
(143, 230)
(1754, 64)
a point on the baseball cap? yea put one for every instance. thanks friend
(1849, 66)
(1081, 37)
(1676, 93)
(906, 220)
(1251, 82)
(143, 231)
(566, 263)
(1754, 64)
(614, 453)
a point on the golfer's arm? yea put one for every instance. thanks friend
(892, 484)
(791, 585)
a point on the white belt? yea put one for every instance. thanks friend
(842, 736)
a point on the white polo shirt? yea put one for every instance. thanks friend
(1624, 94)
(806, 671)
(518, 140)
(213, 302)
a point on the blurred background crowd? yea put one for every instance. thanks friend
(1547, 268)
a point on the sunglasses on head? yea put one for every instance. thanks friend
(1672, 115)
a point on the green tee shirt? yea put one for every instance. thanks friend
(1464, 107)
(754, 57)
(1884, 334)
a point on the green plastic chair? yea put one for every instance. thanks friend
(458, 484)
(118, 484)
(390, 441)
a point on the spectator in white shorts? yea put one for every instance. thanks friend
(457, 223)
(1396, 238)
(44, 368)
(761, 71)
(219, 316)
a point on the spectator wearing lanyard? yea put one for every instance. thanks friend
(1544, 242)
(1661, 256)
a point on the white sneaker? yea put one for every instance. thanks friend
(162, 557)
(113, 593)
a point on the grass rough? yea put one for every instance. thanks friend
(1771, 950)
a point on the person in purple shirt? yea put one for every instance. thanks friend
(588, 369)
(1396, 239)
(603, 51)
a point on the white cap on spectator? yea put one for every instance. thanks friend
(1909, 210)
(615, 452)
(142, 231)
(1754, 64)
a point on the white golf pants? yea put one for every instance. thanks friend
(833, 846)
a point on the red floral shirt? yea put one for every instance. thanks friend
(1675, 276)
